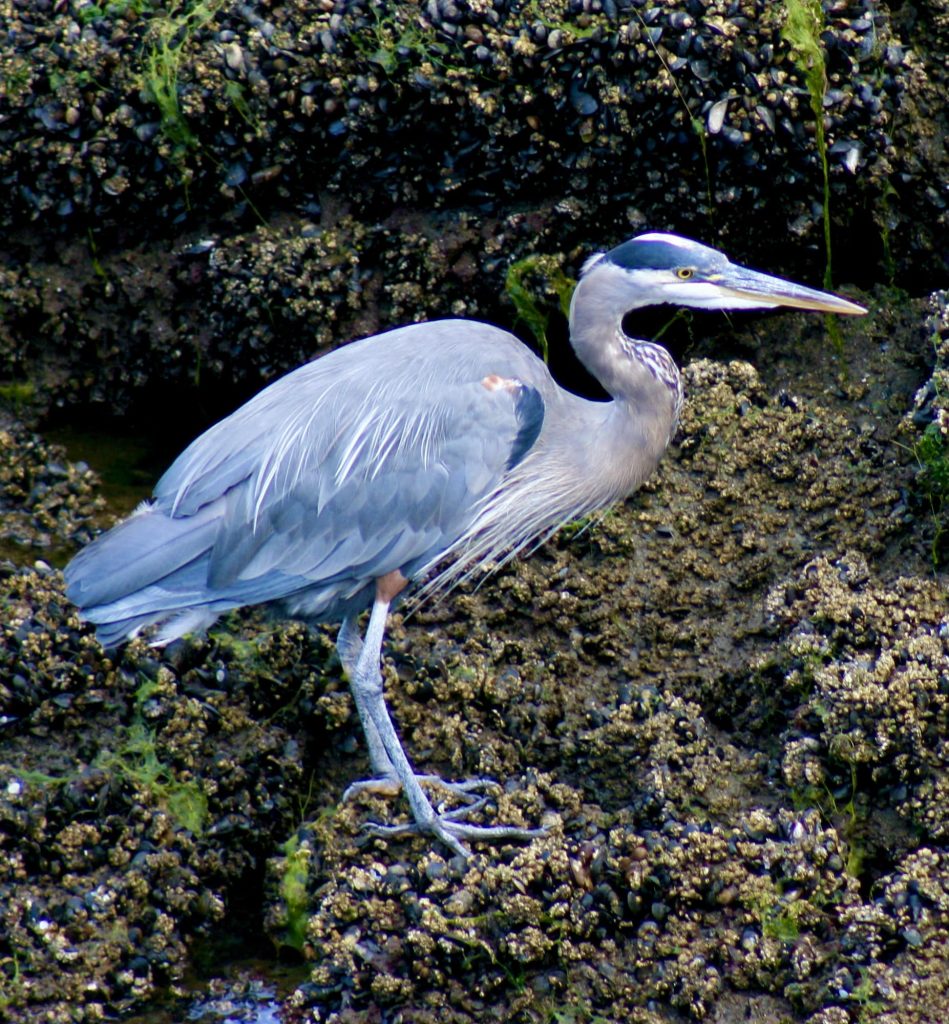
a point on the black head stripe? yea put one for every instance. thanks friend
(637, 255)
(656, 254)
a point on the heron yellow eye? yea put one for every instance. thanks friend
(684, 273)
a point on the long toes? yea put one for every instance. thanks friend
(452, 832)
(390, 786)
(455, 833)
(462, 789)
(487, 833)
(434, 829)
(385, 786)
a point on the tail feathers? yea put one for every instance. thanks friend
(149, 570)
(152, 570)
(148, 547)
(171, 626)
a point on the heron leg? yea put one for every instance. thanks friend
(350, 647)
(385, 779)
(349, 644)
(367, 690)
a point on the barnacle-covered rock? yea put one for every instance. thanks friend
(621, 919)
(925, 430)
(592, 119)
(233, 104)
(894, 945)
(282, 293)
(870, 663)
(136, 795)
(930, 403)
(46, 500)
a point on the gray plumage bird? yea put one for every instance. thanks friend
(422, 454)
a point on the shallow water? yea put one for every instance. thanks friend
(246, 991)
(129, 463)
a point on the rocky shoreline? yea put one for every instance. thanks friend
(727, 700)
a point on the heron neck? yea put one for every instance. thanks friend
(636, 373)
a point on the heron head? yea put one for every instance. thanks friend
(666, 268)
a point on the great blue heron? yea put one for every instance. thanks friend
(443, 446)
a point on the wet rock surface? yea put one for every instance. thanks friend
(726, 700)
(238, 102)
(46, 500)
(138, 796)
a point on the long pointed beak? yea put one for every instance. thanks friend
(752, 287)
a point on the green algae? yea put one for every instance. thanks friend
(526, 280)
(932, 454)
(136, 759)
(17, 394)
(292, 889)
(802, 28)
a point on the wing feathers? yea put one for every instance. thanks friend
(376, 457)
(377, 488)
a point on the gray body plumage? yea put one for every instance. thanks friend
(428, 452)
(336, 475)
(327, 479)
